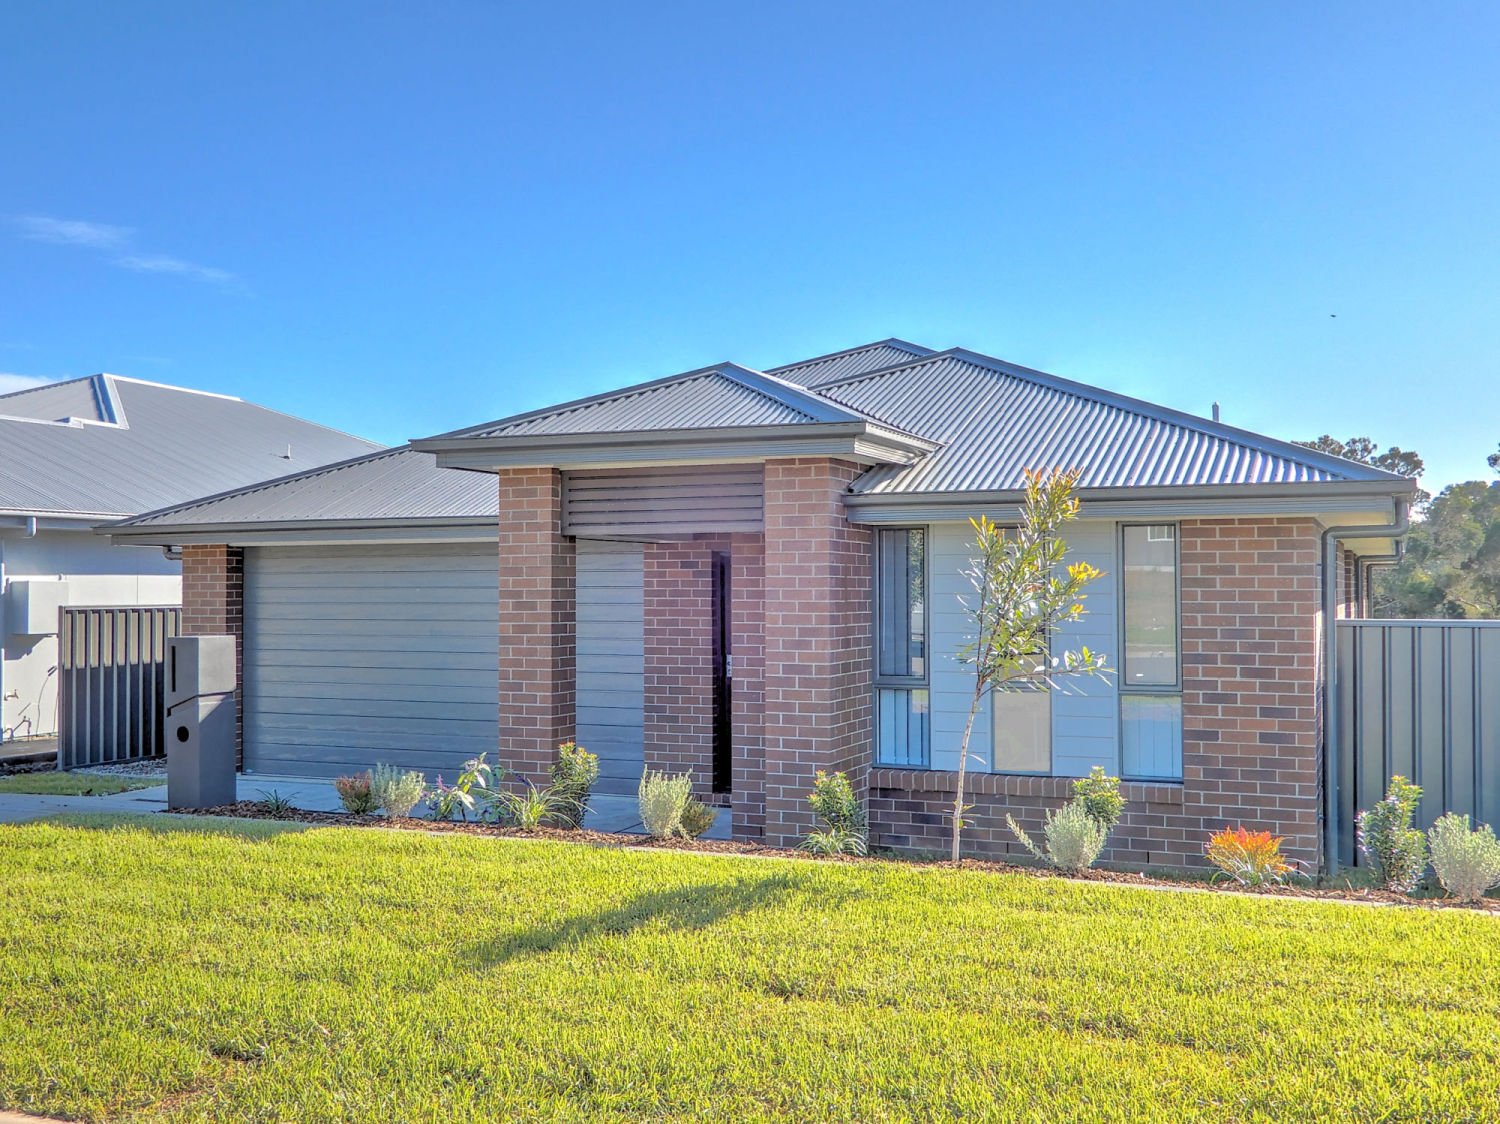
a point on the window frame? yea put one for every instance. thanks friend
(1123, 689)
(881, 682)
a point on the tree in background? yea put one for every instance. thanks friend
(1452, 563)
(1023, 590)
(1362, 450)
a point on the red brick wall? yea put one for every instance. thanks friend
(1250, 630)
(679, 658)
(817, 638)
(537, 621)
(213, 604)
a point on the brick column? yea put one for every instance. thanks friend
(1250, 700)
(537, 621)
(213, 604)
(817, 639)
(748, 642)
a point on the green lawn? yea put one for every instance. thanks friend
(74, 784)
(275, 973)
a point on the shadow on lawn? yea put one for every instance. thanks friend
(685, 907)
(162, 822)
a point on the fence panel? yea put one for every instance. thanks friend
(1419, 698)
(110, 665)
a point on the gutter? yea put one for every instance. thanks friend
(1328, 589)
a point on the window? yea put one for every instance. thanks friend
(1021, 729)
(1151, 677)
(902, 699)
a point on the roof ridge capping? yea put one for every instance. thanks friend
(1262, 442)
(915, 349)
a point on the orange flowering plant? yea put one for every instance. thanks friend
(1251, 858)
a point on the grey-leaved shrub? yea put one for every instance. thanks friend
(396, 791)
(662, 801)
(1467, 863)
(1074, 838)
(1396, 849)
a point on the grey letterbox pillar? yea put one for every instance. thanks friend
(201, 712)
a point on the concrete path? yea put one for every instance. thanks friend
(606, 813)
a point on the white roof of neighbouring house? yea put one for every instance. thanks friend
(109, 446)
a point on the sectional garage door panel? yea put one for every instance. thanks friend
(357, 656)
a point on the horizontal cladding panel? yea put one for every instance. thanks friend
(666, 500)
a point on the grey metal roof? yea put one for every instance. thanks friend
(994, 420)
(396, 483)
(148, 446)
(853, 361)
(86, 399)
(723, 397)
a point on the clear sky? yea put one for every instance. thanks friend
(403, 218)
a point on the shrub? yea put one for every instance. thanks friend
(1251, 858)
(274, 803)
(1467, 863)
(1074, 838)
(697, 818)
(444, 799)
(1101, 797)
(396, 791)
(1396, 850)
(354, 793)
(834, 841)
(662, 800)
(527, 810)
(846, 830)
(573, 776)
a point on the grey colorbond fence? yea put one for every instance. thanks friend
(1419, 698)
(111, 672)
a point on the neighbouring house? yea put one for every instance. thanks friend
(76, 454)
(753, 575)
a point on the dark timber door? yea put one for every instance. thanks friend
(723, 678)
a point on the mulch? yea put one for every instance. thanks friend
(256, 810)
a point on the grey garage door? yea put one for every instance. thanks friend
(361, 655)
(611, 657)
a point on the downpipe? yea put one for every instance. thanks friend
(1329, 590)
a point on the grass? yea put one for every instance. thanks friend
(187, 969)
(74, 784)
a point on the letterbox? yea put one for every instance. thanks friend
(201, 713)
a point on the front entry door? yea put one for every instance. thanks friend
(723, 678)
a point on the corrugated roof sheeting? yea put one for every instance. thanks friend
(845, 364)
(993, 425)
(706, 401)
(396, 484)
(76, 398)
(175, 445)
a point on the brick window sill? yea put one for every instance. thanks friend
(1010, 784)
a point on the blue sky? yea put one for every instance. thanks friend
(400, 219)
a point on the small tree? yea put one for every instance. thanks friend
(1022, 593)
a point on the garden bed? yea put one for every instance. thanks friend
(256, 810)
